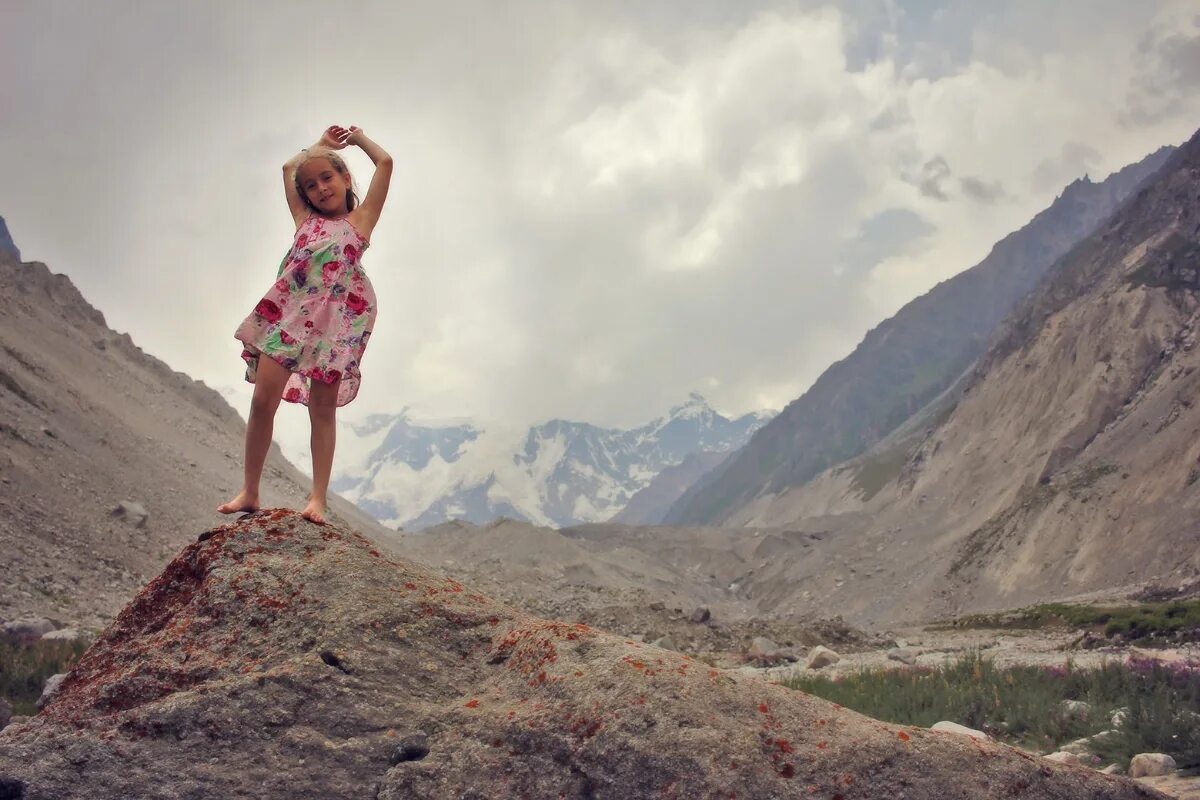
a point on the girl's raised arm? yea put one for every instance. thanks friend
(334, 138)
(372, 205)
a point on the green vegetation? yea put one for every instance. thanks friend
(1024, 706)
(875, 473)
(25, 668)
(1167, 622)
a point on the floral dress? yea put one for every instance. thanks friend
(316, 320)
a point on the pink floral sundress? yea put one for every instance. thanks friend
(316, 320)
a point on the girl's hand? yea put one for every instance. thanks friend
(335, 137)
(355, 136)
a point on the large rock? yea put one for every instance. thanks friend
(820, 657)
(280, 659)
(905, 655)
(26, 630)
(945, 726)
(1150, 765)
(763, 648)
(50, 689)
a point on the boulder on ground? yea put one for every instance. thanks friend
(66, 635)
(762, 647)
(945, 726)
(131, 512)
(665, 642)
(281, 659)
(905, 655)
(50, 689)
(1075, 709)
(821, 656)
(1150, 765)
(26, 630)
(1065, 757)
(700, 615)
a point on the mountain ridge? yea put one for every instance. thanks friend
(558, 472)
(906, 360)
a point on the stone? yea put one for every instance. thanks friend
(763, 648)
(209, 684)
(1075, 709)
(1111, 769)
(1063, 757)
(905, 655)
(821, 656)
(132, 512)
(665, 642)
(1119, 717)
(26, 630)
(946, 726)
(700, 615)
(1079, 747)
(1151, 765)
(66, 635)
(50, 689)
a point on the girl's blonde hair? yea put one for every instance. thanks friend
(338, 164)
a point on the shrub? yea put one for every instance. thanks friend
(1023, 705)
(25, 668)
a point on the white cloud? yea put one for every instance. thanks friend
(596, 207)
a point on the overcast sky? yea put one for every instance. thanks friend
(597, 207)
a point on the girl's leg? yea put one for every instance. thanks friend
(268, 390)
(322, 414)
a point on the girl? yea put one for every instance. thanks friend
(314, 323)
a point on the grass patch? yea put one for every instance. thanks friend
(1024, 705)
(875, 473)
(1169, 622)
(25, 668)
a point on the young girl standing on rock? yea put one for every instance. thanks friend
(314, 323)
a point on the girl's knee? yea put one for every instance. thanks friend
(263, 404)
(322, 410)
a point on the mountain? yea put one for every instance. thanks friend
(8, 248)
(108, 457)
(277, 659)
(558, 473)
(906, 361)
(1067, 463)
(652, 503)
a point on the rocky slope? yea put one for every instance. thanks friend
(907, 360)
(1071, 460)
(556, 473)
(89, 421)
(651, 503)
(275, 659)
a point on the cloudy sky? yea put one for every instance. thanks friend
(597, 207)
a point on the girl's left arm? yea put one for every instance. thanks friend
(372, 204)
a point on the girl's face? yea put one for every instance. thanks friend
(324, 186)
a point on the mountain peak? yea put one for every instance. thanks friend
(695, 406)
(8, 248)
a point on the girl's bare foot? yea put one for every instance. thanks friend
(314, 511)
(243, 502)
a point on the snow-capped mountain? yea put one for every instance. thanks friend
(558, 473)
